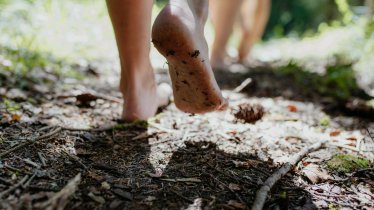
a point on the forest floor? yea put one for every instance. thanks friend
(177, 160)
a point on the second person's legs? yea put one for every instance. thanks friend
(223, 13)
(253, 17)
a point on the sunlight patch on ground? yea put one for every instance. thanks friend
(279, 135)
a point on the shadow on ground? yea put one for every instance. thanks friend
(117, 174)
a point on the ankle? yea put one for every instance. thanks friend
(198, 8)
(136, 77)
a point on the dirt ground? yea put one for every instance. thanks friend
(178, 160)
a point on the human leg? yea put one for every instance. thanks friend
(223, 13)
(178, 34)
(254, 16)
(131, 21)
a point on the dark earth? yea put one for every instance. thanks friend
(178, 160)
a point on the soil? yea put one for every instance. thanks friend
(178, 160)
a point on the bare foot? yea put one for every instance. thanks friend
(222, 62)
(142, 96)
(178, 34)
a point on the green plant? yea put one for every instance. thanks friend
(344, 163)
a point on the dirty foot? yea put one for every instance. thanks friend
(178, 34)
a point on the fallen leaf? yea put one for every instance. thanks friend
(351, 138)
(16, 117)
(98, 199)
(305, 163)
(105, 185)
(234, 187)
(236, 204)
(292, 108)
(156, 174)
(315, 173)
(335, 133)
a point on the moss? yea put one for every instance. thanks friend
(342, 163)
(139, 123)
(333, 207)
(325, 121)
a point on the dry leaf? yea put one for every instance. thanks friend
(351, 138)
(234, 187)
(16, 117)
(98, 199)
(315, 173)
(105, 185)
(292, 108)
(236, 204)
(335, 133)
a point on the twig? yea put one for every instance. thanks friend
(59, 200)
(30, 162)
(5, 181)
(29, 142)
(42, 159)
(244, 84)
(183, 180)
(185, 198)
(225, 185)
(372, 138)
(262, 193)
(105, 128)
(23, 180)
(24, 186)
(97, 96)
(12, 168)
(75, 158)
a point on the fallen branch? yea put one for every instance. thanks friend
(29, 142)
(59, 200)
(262, 193)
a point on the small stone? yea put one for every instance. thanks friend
(105, 185)
(123, 194)
(115, 204)
(16, 94)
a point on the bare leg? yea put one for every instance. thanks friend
(178, 34)
(132, 23)
(224, 14)
(254, 16)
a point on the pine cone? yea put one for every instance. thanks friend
(249, 113)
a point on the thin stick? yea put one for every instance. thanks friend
(22, 145)
(42, 159)
(75, 158)
(244, 84)
(59, 200)
(225, 185)
(106, 128)
(262, 193)
(23, 180)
